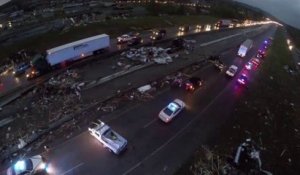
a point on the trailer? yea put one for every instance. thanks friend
(73, 51)
(245, 47)
(78, 49)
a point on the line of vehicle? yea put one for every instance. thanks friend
(73, 168)
(176, 135)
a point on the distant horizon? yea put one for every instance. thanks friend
(287, 12)
(2, 2)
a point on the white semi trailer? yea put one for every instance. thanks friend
(78, 49)
(67, 53)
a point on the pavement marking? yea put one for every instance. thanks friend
(176, 135)
(149, 123)
(224, 38)
(66, 172)
(220, 39)
(111, 118)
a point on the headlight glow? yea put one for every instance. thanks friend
(42, 166)
(20, 165)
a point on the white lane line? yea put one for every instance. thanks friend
(176, 135)
(114, 117)
(66, 172)
(148, 124)
(220, 39)
(224, 38)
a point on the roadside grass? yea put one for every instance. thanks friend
(268, 112)
(111, 27)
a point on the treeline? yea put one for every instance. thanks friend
(220, 9)
(224, 9)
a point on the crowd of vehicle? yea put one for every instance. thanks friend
(64, 54)
(252, 64)
(109, 138)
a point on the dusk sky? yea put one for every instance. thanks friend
(287, 11)
(3, 1)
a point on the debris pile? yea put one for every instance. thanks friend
(48, 103)
(59, 96)
(148, 54)
(247, 158)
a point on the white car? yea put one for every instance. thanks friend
(170, 111)
(232, 70)
(108, 137)
(127, 37)
(33, 165)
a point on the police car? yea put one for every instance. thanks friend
(171, 111)
(30, 166)
(232, 70)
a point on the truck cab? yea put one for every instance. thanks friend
(39, 66)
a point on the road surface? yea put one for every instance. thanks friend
(10, 82)
(155, 147)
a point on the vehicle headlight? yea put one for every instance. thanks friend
(42, 166)
(14, 72)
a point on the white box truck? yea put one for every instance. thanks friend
(66, 53)
(245, 47)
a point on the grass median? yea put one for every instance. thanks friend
(111, 27)
(268, 112)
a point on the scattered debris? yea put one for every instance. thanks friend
(148, 54)
(145, 88)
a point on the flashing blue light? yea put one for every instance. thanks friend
(266, 42)
(173, 107)
(20, 165)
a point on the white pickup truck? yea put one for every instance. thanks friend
(108, 137)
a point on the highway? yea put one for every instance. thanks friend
(10, 82)
(153, 146)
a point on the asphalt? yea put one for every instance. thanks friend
(102, 67)
(95, 70)
(155, 147)
(140, 77)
